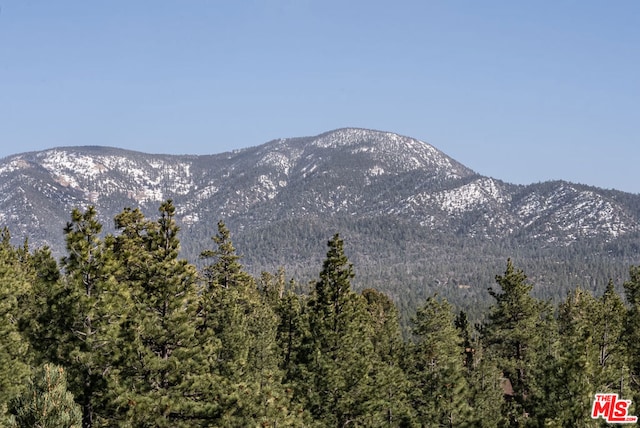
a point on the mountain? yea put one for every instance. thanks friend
(414, 219)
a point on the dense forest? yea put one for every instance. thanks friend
(124, 332)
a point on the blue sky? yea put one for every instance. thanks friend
(521, 91)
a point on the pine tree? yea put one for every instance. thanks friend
(89, 310)
(613, 365)
(15, 355)
(226, 270)
(440, 389)
(227, 300)
(573, 386)
(514, 335)
(46, 403)
(632, 330)
(42, 305)
(336, 359)
(390, 386)
(590, 356)
(38, 312)
(485, 389)
(272, 287)
(238, 326)
(160, 378)
(291, 331)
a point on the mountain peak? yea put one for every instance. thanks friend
(359, 172)
(400, 153)
(351, 136)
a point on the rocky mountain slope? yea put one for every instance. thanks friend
(402, 204)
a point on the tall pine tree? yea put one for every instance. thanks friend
(390, 393)
(90, 309)
(439, 386)
(336, 358)
(514, 334)
(238, 327)
(15, 287)
(159, 376)
(632, 330)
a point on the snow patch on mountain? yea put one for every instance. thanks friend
(276, 160)
(376, 170)
(578, 213)
(478, 193)
(394, 153)
(15, 164)
(148, 180)
(341, 138)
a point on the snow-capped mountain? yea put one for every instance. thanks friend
(367, 183)
(330, 173)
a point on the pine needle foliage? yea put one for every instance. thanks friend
(46, 402)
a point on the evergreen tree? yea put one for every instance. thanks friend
(437, 370)
(226, 270)
(390, 386)
(632, 330)
(147, 342)
(89, 310)
(238, 327)
(590, 358)
(42, 306)
(461, 323)
(612, 362)
(272, 287)
(46, 402)
(160, 379)
(574, 384)
(39, 312)
(485, 388)
(336, 359)
(15, 356)
(291, 331)
(228, 298)
(514, 335)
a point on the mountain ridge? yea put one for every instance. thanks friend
(369, 184)
(443, 182)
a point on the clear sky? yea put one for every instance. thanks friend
(523, 91)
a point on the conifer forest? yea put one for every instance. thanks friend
(123, 332)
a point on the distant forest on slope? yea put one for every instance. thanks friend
(411, 263)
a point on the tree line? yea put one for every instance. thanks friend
(124, 332)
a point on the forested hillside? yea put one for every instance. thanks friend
(124, 331)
